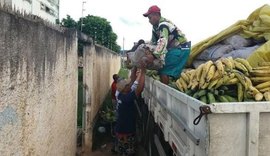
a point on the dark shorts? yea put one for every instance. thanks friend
(126, 143)
(175, 61)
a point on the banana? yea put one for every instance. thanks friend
(216, 92)
(261, 68)
(259, 97)
(228, 64)
(183, 83)
(211, 98)
(245, 63)
(192, 78)
(210, 73)
(201, 82)
(156, 77)
(221, 92)
(240, 67)
(263, 73)
(205, 85)
(231, 75)
(260, 79)
(204, 99)
(213, 83)
(179, 86)
(267, 89)
(219, 83)
(232, 81)
(263, 85)
(225, 88)
(217, 75)
(220, 67)
(222, 81)
(248, 95)
(230, 98)
(248, 82)
(199, 71)
(231, 92)
(205, 70)
(190, 71)
(189, 92)
(185, 77)
(241, 78)
(267, 96)
(202, 92)
(207, 65)
(222, 98)
(240, 93)
(199, 93)
(194, 85)
(232, 61)
(254, 90)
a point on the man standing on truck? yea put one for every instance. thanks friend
(171, 45)
(125, 127)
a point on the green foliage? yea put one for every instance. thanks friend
(100, 30)
(123, 72)
(69, 22)
(57, 21)
(96, 27)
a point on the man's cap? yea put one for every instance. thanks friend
(122, 84)
(152, 9)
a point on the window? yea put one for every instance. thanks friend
(47, 9)
(42, 6)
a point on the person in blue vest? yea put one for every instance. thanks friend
(125, 128)
(172, 46)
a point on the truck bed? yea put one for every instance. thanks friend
(225, 129)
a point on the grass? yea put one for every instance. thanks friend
(99, 138)
(123, 72)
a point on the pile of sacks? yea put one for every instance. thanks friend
(235, 46)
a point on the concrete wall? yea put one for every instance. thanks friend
(38, 88)
(99, 66)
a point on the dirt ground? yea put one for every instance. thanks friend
(103, 143)
(106, 151)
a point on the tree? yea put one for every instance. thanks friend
(101, 31)
(96, 27)
(68, 22)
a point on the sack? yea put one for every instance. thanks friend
(242, 53)
(142, 53)
(196, 63)
(215, 52)
(237, 42)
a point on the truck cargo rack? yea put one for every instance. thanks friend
(233, 129)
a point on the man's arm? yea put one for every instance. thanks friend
(162, 43)
(133, 75)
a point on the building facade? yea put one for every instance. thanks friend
(46, 9)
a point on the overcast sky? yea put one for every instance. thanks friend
(198, 19)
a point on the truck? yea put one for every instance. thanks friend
(177, 124)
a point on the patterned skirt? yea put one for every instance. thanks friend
(126, 143)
